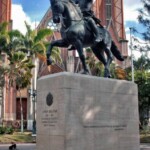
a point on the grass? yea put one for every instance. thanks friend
(17, 137)
(26, 137)
(145, 138)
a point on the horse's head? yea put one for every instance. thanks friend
(57, 10)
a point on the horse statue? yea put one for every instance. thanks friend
(75, 31)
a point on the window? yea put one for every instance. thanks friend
(53, 26)
(18, 109)
(108, 10)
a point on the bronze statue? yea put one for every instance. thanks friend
(88, 14)
(76, 30)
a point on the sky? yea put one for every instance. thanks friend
(130, 20)
(30, 11)
(34, 10)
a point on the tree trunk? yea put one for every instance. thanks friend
(21, 108)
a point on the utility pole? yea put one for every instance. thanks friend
(33, 93)
(131, 47)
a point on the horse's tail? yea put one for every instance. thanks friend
(116, 52)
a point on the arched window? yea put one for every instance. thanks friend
(108, 10)
(53, 26)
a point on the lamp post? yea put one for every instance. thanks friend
(32, 94)
(1, 105)
(131, 44)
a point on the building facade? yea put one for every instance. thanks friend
(6, 100)
(5, 10)
(110, 12)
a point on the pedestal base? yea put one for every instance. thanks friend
(79, 112)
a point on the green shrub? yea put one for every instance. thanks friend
(6, 130)
(2, 130)
(9, 130)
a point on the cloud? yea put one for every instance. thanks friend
(130, 18)
(136, 53)
(130, 10)
(19, 17)
(131, 3)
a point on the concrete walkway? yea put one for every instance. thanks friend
(33, 146)
(19, 146)
(145, 146)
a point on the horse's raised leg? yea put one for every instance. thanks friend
(109, 60)
(99, 53)
(58, 43)
(79, 47)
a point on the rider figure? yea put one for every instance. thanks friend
(88, 14)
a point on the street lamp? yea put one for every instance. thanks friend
(131, 46)
(32, 94)
(1, 105)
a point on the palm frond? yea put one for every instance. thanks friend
(17, 57)
(15, 34)
(56, 55)
(28, 27)
(4, 41)
(3, 27)
(39, 48)
(42, 34)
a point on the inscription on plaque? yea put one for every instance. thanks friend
(50, 118)
(115, 127)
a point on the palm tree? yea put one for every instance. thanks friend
(4, 41)
(19, 67)
(23, 81)
(35, 44)
(4, 38)
(19, 74)
(2, 83)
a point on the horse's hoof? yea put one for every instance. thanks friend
(107, 74)
(85, 72)
(121, 58)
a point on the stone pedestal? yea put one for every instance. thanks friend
(79, 112)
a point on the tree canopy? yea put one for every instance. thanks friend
(144, 19)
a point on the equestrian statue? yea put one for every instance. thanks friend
(81, 29)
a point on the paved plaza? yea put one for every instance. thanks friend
(19, 146)
(33, 146)
(145, 146)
